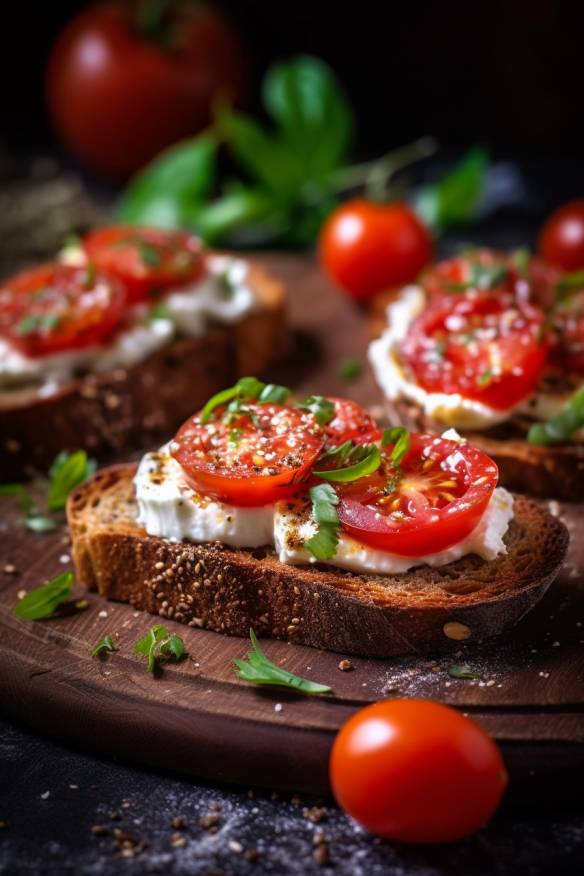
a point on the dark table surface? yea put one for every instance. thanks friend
(67, 812)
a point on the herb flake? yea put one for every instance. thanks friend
(159, 643)
(104, 645)
(323, 544)
(259, 669)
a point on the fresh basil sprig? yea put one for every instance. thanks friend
(44, 600)
(67, 472)
(400, 438)
(322, 409)
(246, 389)
(105, 644)
(159, 643)
(258, 669)
(558, 429)
(33, 519)
(323, 544)
(363, 459)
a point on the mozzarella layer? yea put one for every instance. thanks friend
(170, 509)
(187, 312)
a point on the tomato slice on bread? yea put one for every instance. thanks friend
(54, 307)
(250, 456)
(351, 422)
(486, 346)
(148, 261)
(431, 501)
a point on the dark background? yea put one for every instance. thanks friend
(509, 74)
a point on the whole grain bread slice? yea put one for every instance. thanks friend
(229, 590)
(132, 407)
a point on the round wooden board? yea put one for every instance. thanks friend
(198, 718)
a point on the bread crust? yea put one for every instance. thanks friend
(132, 407)
(230, 590)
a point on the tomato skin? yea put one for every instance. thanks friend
(416, 771)
(561, 242)
(118, 250)
(87, 308)
(117, 99)
(443, 490)
(367, 248)
(229, 472)
(351, 423)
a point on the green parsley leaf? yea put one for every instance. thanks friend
(157, 643)
(39, 523)
(258, 669)
(159, 311)
(323, 409)
(105, 644)
(364, 458)
(67, 472)
(400, 438)
(485, 377)
(350, 369)
(463, 671)
(558, 429)
(44, 600)
(323, 544)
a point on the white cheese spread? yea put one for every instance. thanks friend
(170, 509)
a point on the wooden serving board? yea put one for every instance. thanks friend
(198, 718)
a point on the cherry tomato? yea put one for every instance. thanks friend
(351, 422)
(120, 88)
(561, 241)
(416, 771)
(55, 307)
(252, 457)
(484, 345)
(146, 260)
(433, 500)
(367, 248)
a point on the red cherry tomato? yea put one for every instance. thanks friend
(416, 771)
(55, 307)
(434, 500)
(119, 90)
(561, 242)
(367, 248)
(484, 345)
(146, 260)
(252, 457)
(351, 422)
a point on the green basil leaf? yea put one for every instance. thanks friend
(323, 409)
(67, 472)
(558, 429)
(456, 197)
(366, 466)
(274, 394)
(168, 191)
(462, 672)
(27, 503)
(246, 388)
(323, 544)
(158, 642)
(400, 438)
(242, 216)
(569, 283)
(44, 600)
(173, 647)
(105, 644)
(159, 311)
(39, 523)
(258, 669)
(262, 153)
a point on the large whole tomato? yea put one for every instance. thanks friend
(126, 79)
(416, 771)
(367, 247)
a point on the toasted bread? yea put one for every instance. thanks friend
(229, 590)
(131, 407)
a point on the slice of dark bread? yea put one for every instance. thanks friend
(229, 590)
(132, 407)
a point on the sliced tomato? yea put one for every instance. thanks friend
(258, 455)
(432, 501)
(477, 269)
(148, 261)
(351, 422)
(55, 307)
(483, 345)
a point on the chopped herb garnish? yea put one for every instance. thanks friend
(323, 409)
(350, 369)
(235, 436)
(521, 259)
(400, 438)
(104, 645)
(37, 322)
(258, 669)
(44, 600)
(558, 429)
(485, 377)
(225, 286)
(487, 276)
(159, 311)
(568, 284)
(39, 523)
(323, 544)
(148, 253)
(362, 459)
(462, 672)
(159, 643)
(67, 472)
(246, 389)
(90, 274)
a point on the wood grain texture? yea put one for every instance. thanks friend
(196, 716)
